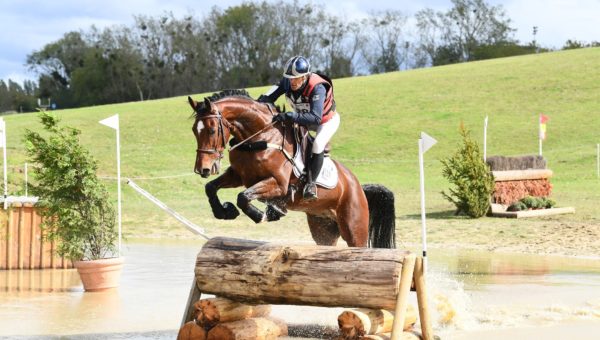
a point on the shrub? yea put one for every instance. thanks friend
(517, 206)
(549, 203)
(75, 204)
(472, 179)
(531, 202)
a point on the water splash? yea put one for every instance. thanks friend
(450, 305)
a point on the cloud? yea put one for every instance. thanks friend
(557, 20)
(28, 25)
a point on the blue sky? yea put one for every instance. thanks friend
(28, 25)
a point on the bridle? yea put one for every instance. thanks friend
(221, 132)
(223, 123)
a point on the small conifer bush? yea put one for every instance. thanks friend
(471, 179)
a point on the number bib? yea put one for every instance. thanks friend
(299, 107)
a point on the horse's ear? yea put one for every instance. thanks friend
(192, 102)
(208, 104)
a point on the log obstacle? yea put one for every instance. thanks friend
(254, 272)
(249, 329)
(360, 322)
(219, 310)
(191, 331)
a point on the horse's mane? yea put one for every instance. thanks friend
(201, 109)
(229, 93)
(224, 94)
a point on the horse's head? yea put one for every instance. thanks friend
(211, 135)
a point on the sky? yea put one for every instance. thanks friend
(28, 25)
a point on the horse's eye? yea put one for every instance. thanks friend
(212, 131)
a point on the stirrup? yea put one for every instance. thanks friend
(310, 192)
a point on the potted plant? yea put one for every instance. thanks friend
(75, 205)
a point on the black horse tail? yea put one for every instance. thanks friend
(382, 216)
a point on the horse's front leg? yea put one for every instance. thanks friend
(267, 189)
(229, 179)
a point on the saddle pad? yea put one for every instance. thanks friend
(328, 177)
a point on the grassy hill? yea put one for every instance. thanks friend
(382, 116)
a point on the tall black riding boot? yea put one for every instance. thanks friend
(310, 189)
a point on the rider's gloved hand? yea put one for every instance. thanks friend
(285, 116)
(291, 116)
(280, 117)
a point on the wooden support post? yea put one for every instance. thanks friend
(32, 239)
(52, 254)
(9, 238)
(21, 244)
(420, 287)
(406, 278)
(195, 294)
(38, 221)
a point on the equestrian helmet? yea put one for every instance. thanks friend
(296, 67)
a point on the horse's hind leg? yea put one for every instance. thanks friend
(324, 230)
(353, 221)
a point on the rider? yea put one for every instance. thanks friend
(311, 97)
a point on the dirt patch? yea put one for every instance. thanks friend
(546, 236)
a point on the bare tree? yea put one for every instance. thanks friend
(386, 47)
(454, 35)
(340, 43)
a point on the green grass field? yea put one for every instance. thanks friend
(382, 116)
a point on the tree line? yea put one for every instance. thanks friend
(246, 45)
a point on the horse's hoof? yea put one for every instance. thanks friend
(230, 211)
(273, 213)
(219, 214)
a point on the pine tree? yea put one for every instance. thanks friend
(472, 180)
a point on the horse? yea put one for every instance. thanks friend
(362, 215)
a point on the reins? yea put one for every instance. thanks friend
(254, 135)
(219, 116)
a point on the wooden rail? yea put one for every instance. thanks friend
(22, 243)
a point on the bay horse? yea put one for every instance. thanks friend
(362, 216)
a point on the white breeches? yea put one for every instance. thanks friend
(325, 132)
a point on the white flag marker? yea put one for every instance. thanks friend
(113, 122)
(425, 143)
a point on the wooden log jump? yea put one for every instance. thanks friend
(361, 321)
(258, 272)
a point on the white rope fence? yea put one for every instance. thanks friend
(190, 225)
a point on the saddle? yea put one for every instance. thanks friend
(328, 176)
(304, 141)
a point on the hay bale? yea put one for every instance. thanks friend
(502, 163)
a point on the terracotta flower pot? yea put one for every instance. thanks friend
(99, 275)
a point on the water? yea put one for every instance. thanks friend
(481, 291)
(472, 295)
